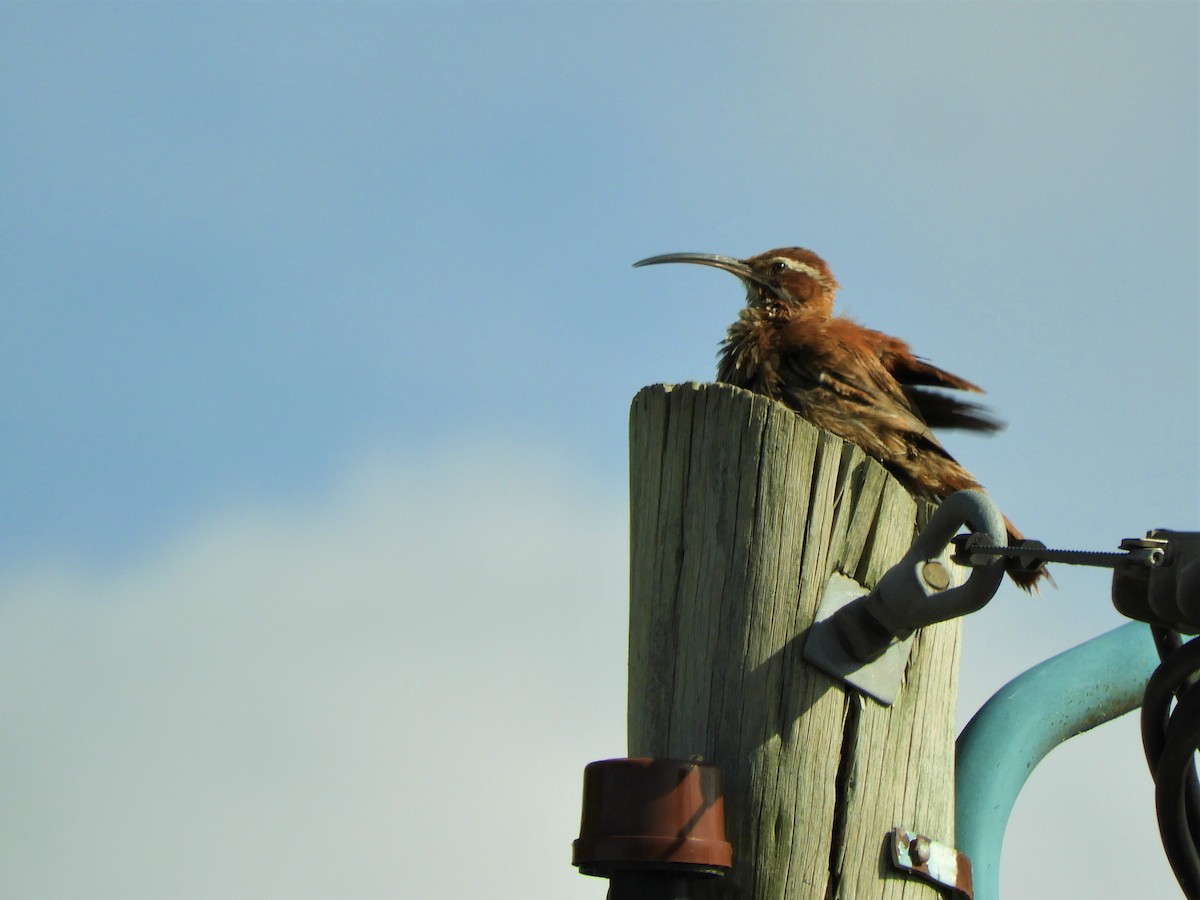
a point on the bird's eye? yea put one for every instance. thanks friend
(779, 266)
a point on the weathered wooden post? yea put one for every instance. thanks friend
(740, 510)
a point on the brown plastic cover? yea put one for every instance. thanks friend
(652, 813)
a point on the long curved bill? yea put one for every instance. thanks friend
(728, 263)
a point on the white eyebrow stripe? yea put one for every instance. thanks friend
(797, 266)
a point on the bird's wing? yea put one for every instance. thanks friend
(937, 409)
(834, 373)
(908, 368)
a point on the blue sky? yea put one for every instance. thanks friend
(318, 335)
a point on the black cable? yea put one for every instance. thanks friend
(1176, 764)
(1166, 640)
(1161, 688)
(1170, 680)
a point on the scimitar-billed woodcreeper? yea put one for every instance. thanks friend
(862, 385)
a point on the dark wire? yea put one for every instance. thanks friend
(1166, 640)
(1171, 679)
(1170, 740)
(1174, 766)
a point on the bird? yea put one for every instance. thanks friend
(862, 385)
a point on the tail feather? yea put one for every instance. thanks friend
(944, 411)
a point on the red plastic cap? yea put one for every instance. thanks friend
(652, 814)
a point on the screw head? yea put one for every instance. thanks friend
(918, 850)
(935, 575)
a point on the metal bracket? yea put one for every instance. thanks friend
(1166, 591)
(933, 861)
(881, 677)
(863, 638)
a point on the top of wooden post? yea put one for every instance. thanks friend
(740, 510)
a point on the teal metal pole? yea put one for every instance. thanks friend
(1066, 695)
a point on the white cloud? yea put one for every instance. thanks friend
(391, 692)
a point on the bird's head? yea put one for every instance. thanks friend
(789, 276)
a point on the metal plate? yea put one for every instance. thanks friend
(879, 678)
(934, 861)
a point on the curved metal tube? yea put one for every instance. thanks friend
(1066, 695)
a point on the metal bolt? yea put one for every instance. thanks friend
(935, 575)
(1151, 551)
(918, 850)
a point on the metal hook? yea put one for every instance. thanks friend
(863, 638)
(913, 594)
